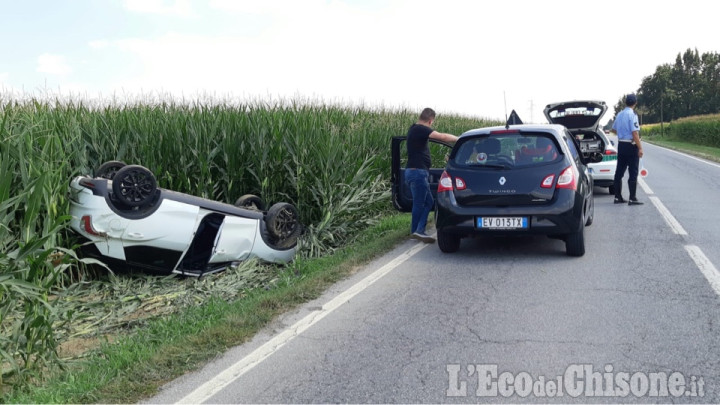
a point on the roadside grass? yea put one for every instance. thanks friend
(133, 365)
(705, 152)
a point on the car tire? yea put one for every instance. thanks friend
(589, 219)
(134, 186)
(283, 223)
(251, 202)
(448, 243)
(591, 214)
(108, 169)
(575, 243)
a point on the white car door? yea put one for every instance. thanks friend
(235, 239)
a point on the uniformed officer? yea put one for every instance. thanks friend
(627, 128)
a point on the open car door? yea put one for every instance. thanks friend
(401, 195)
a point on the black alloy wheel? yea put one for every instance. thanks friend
(109, 169)
(251, 202)
(283, 222)
(134, 185)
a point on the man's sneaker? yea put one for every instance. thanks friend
(423, 237)
(620, 200)
(635, 202)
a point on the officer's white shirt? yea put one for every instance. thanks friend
(625, 123)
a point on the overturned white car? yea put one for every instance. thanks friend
(129, 222)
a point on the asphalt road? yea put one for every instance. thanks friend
(633, 320)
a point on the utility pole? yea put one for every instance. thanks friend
(532, 109)
(662, 129)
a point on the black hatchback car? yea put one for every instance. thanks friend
(511, 180)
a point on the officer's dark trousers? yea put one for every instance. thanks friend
(627, 159)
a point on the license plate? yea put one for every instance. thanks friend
(502, 222)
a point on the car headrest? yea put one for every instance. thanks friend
(491, 146)
(543, 143)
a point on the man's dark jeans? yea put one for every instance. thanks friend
(417, 179)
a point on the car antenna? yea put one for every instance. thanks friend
(507, 123)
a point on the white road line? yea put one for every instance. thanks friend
(701, 261)
(220, 381)
(645, 186)
(669, 218)
(706, 267)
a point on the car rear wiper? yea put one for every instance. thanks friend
(489, 166)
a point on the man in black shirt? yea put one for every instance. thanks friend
(417, 171)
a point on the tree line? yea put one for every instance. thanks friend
(690, 86)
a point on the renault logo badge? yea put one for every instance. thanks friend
(502, 181)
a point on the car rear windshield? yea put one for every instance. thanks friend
(581, 116)
(506, 150)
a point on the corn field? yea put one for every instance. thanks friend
(700, 130)
(332, 162)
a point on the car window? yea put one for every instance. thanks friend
(584, 111)
(438, 154)
(571, 145)
(507, 150)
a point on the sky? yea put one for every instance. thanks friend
(480, 58)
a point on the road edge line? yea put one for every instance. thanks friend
(230, 374)
(668, 217)
(706, 267)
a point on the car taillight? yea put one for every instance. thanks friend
(568, 179)
(87, 184)
(86, 221)
(446, 183)
(548, 181)
(610, 155)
